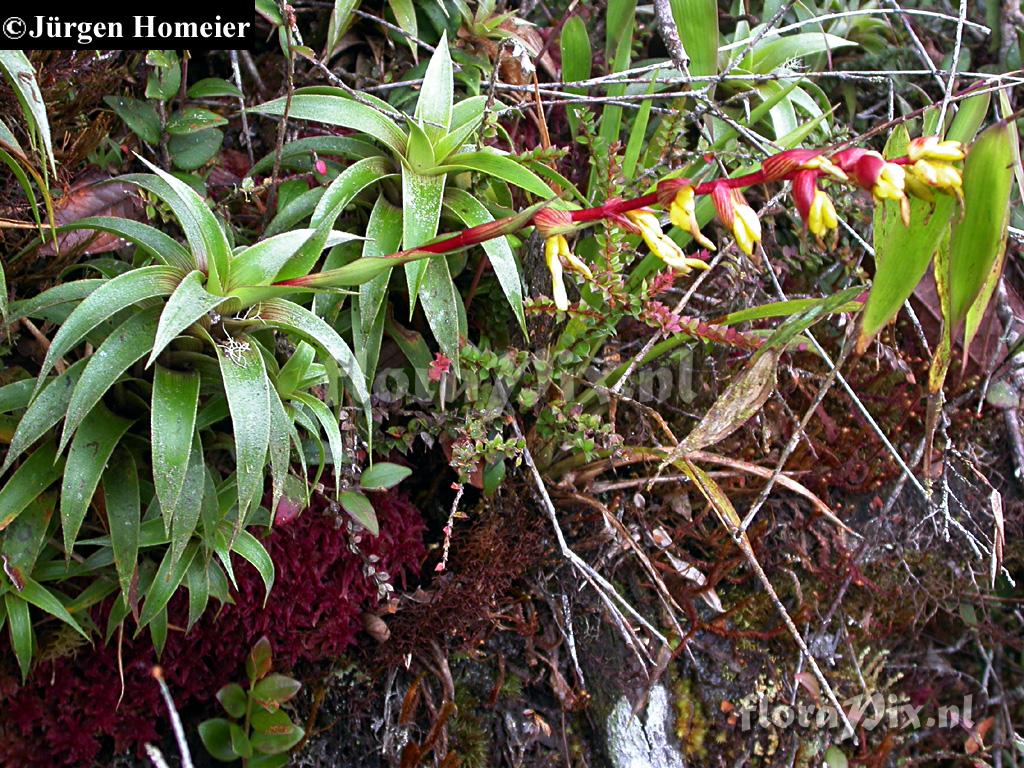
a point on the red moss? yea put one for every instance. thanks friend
(68, 711)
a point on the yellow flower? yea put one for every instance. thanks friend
(662, 246)
(746, 227)
(933, 148)
(823, 164)
(822, 216)
(683, 214)
(938, 174)
(557, 255)
(891, 182)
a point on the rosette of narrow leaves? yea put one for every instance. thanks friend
(419, 155)
(183, 383)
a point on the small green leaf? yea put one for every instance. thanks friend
(361, 510)
(259, 660)
(434, 106)
(211, 87)
(274, 690)
(274, 732)
(249, 547)
(193, 120)
(216, 736)
(383, 475)
(192, 151)
(232, 697)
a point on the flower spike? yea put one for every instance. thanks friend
(934, 148)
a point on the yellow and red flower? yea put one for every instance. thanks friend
(665, 248)
(734, 212)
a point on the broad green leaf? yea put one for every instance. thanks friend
(23, 539)
(467, 116)
(620, 25)
(33, 477)
(350, 275)
(132, 339)
(151, 240)
(189, 302)
(211, 87)
(123, 291)
(90, 449)
(233, 698)
(383, 475)
(192, 151)
(577, 61)
(19, 626)
(124, 515)
(357, 505)
(274, 732)
(473, 213)
(979, 237)
(434, 106)
(970, 115)
(215, 734)
(259, 264)
(249, 547)
(292, 211)
(245, 382)
(211, 250)
(419, 153)
(164, 80)
(165, 583)
(344, 112)
(279, 447)
(193, 120)
(443, 307)
(172, 426)
(22, 76)
(274, 690)
(16, 395)
(295, 371)
(772, 52)
(290, 317)
(500, 166)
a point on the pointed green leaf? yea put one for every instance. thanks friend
(90, 449)
(157, 244)
(500, 166)
(62, 293)
(329, 422)
(165, 583)
(421, 203)
(345, 112)
(46, 410)
(361, 510)
(123, 291)
(434, 106)
(173, 418)
(46, 601)
(246, 385)
(33, 477)
(279, 448)
(383, 236)
(132, 339)
(22, 75)
(383, 475)
(189, 302)
(24, 538)
(124, 515)
(19, 625)
(249, 547)
(189, 506)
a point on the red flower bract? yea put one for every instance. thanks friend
(68, 711)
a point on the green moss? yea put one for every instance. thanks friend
(692, 723)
